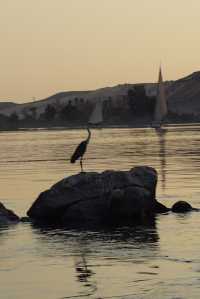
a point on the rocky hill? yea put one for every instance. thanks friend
(7, 105)
(63, 98)
(183, 97)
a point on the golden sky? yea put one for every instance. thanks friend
(49, 46)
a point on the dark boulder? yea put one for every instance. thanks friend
(99, 198)
(160, 208)
(134, 204)
(25, 219)
(7, 216)
(182, 207)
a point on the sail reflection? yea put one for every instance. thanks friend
(162, 154)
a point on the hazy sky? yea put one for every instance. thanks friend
(49, 46)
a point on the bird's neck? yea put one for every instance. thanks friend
(89, 135)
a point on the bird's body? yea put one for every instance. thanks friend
(80, 150)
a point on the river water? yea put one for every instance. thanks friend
(159, 262)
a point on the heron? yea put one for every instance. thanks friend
(80, 150)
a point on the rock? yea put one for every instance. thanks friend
(98, 198)
(7, 216)
(182, 207)
(25, 219)
(160, 208)
(133, 205)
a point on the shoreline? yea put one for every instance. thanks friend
(82, 127)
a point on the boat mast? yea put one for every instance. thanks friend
(161, 104)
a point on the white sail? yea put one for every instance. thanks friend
(97, 114)
(161, 104)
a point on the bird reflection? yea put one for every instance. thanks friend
(162, 154)
(84, 275)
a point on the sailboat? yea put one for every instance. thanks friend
(161, 103)
(96, 117)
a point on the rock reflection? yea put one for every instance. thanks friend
(97, 242)
(86, 251)
(4, 230)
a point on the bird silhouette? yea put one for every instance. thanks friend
(80, 150)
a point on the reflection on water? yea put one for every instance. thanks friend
(161, 135)
(84, 275)
(142, 262)
(94, 252)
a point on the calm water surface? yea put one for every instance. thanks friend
(159, 262)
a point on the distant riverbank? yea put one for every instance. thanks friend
(102, 126)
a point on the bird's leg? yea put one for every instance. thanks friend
(81, 162)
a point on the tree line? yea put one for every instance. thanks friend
(135, 106)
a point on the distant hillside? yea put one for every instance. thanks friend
(5, 105)
(63, 98)
(183, 97)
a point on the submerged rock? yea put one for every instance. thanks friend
(7, 216)
(25, 219)
(182, 207)
(99, 198)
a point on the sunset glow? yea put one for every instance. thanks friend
(50, 46)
